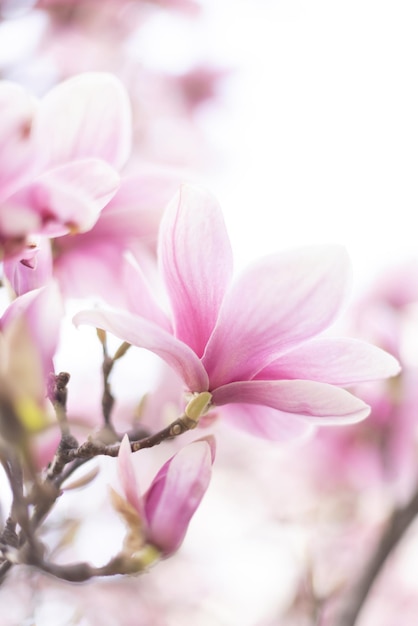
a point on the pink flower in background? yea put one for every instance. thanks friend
(382, 450)
(250, 341)
(165, 510)
(92, 263)
(59, 156)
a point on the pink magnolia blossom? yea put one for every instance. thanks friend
(252, 341)
(165, 510)
(92, 263)
(59, 156)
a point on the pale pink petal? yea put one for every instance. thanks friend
(276, 304)
(145, 334)
(196, 261)
(137, 207)
(140, 299)
(96, 267)
(319, 403)
(66, 198)
(43, 310)
(175, 494)
(266, 422)
(128, 478)
(85, 116)
(32, 269)
(17, 156)
(90, 270)
(338, 361)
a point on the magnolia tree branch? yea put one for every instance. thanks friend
(355, 597)
(92, 448)
(24, 546)
(108, 398)
(57, 393)
(82, 571)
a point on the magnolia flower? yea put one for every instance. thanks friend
(162, 515)
(250, 341)
(91, 263)
(59, 156)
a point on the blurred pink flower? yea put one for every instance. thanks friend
(93, 263)
(59, 156)
(165, 510)
(382, 450)
(250, 342)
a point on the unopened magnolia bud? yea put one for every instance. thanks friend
(198, 405)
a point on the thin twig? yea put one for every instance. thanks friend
(57, 393)
(92, 448)
(355, 597)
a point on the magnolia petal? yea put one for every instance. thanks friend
(43, 309)
(66, 198)
(90, 267)
(137, 207)
(267, 423)
(319, 403)
(17, 155)
(38, 315)
(128, 478)
(140, 299)
(145, 334)
(338, 361)
(276, 304)
(196, 260)
(32, 269)
(85, 116)
(175, 494)
(90, 270)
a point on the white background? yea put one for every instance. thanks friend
(321, 133)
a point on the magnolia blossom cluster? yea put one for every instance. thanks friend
(102, 228)
(249, 347)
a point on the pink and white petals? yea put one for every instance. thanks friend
(318, 403)
(275, 305)
(32, 322)
(196, 261)
(337, 361)
(175, 494)
(32, 269)
(267, 423)
(75, 193)
(137, 207)
(145, 334)
(65, 199)
(128, 479)
(85, 116)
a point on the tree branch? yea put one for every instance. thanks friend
(355, 597)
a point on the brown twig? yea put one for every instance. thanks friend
(57, 393)
(355, 597)
(92, 448)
